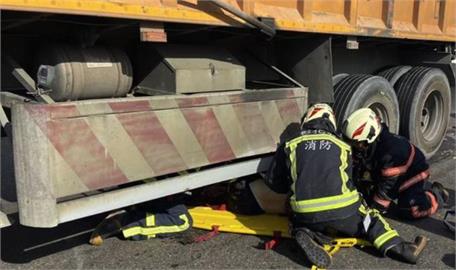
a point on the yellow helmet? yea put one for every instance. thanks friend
(320, 110)
(362, 125)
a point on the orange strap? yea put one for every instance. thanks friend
(388, 172)
(382, 202)
(422, 176)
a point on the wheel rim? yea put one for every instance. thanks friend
(381, 112)
(431, 116)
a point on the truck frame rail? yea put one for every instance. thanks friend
(405, 19)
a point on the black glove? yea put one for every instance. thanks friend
(366, 188)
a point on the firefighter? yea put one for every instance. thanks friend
(314, 167)
(158, 218)
(398, 169)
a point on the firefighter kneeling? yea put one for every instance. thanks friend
(398, 168)
(314, 167)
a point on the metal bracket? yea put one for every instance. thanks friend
(6, 123)
(29, 84)
(286, 76)
(3, 119)
(265, 28)
(352, 43)
(280, 72)
(152, 32)
(4, 220)
(7, 99)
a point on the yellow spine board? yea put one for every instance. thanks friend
(205, 218)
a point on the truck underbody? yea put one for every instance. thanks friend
(135, 120)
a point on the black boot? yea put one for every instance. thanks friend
(110, 226)
(440, 193)
(406, 251)
(315, 253)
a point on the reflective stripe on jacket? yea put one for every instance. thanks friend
(320, 169)
(145, 225)
(396, 165)
(152, 230)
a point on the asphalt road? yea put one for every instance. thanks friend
(66, 246)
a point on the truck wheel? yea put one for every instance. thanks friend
(424, 101)
(337, 78)
(360, 91)
(394, 73)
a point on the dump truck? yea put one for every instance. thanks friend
(110, 103)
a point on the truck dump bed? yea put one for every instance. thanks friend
(403, 19)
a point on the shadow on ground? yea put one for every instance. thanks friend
(20, 244)
(449, 260)
(287, 248)
(433, 224)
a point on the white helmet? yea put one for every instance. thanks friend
(320, 110)
(362, 125)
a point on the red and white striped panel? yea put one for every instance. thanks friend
(102, 143)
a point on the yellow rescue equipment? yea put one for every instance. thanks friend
(207, 218)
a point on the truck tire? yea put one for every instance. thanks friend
(424, 101)
(359, 91)
(393, 74)
(337, 78)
